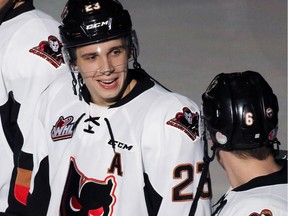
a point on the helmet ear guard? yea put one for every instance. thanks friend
(135, 45)
(240, 111)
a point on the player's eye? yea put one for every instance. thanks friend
(90, 57)
(117, 51)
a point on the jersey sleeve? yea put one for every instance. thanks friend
(30, 64)
(32, 182)
(173, 157)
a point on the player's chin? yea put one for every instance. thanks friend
(112, 98)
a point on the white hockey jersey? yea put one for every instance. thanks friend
(30, 59)
(262, 196)
(140, 156)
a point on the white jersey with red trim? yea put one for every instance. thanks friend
(30, 59)
(262, 196)
(140, 156)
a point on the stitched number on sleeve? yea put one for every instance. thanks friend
(185, 173)
(207, 189)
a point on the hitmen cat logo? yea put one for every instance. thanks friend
(186, 121)
(63, 129)
(50, 51)
(87, 196)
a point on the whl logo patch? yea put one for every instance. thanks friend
(63, 129)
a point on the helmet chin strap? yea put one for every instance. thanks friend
(207, 159)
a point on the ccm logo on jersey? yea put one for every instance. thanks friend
(50, 50)
(63, 129)
(186, 121)
(121, 145)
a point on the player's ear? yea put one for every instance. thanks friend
(74, 67)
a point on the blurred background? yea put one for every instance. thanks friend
(184, 44)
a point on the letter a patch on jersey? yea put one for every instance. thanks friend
(50, 50)
(186, 121)
(63, 129)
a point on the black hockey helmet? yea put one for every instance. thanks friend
(240, 111)
(93, 21)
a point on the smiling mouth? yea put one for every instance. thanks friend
(107, 82)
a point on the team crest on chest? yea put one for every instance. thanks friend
(50, 50)
(87, 196)
(63, 128)
(186, 121)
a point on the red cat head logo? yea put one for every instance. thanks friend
(87, 196)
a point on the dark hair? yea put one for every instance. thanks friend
(258, 153)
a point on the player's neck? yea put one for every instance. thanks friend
(18, 4)
(240, 171)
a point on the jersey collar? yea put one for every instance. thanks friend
(279, 177)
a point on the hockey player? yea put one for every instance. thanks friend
(123, 149)
(28, 63)
(241, 115)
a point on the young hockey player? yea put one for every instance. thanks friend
(241, 114)
(30, 59)
(130, 147)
